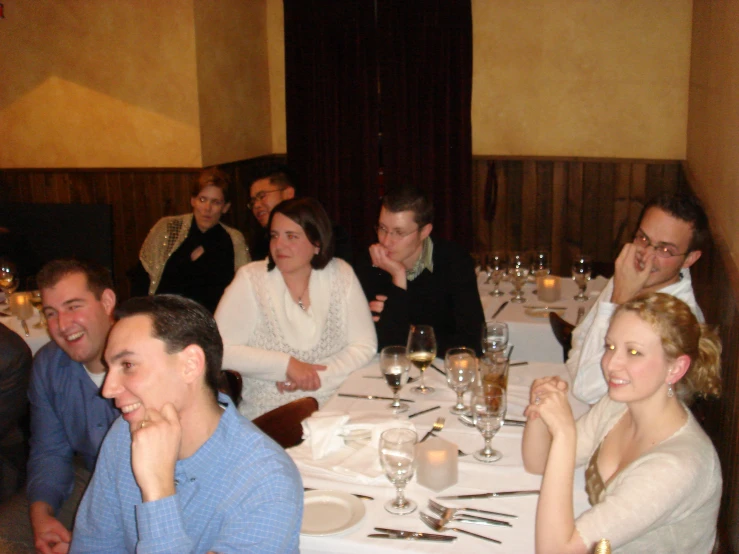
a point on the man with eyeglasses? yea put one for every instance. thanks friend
(409, 278)
(672, 229)
(267, 190)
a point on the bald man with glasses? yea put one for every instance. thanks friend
(672, 229)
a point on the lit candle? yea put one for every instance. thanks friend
(437, 464)
(548, 288)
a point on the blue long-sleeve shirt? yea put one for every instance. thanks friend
(239, 492)
(68, 416)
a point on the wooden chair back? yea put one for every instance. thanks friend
(562, 331)
(231, 383)
(283, 424)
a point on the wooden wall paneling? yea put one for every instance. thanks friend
(590, 215)
(605, 194)
(621, 202)
(514, 199)
(574, 212)
(501, 239)
(529, 208)
(559, 215)
(544, 207)
(478, 175)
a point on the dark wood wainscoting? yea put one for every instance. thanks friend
(564, 205)
(138, 199)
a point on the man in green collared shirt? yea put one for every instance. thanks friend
(409, 278)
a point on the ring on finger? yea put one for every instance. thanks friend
(537, 400)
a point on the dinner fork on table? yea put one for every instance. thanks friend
(447, 513)
(438, 426)
(437, 525)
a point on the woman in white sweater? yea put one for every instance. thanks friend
(297, 323)
(653, 477)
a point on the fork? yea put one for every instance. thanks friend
(447, 513)
(437, 525)
(438, 426)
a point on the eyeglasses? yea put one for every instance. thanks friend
(260, 196)
(383, 231)
(661, 249)
(212, 201)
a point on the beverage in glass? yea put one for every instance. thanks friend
(421, 349)
(461, 369)
(394, 365)
(397, 451)
(488, 411)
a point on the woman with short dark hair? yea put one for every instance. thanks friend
(298, 323)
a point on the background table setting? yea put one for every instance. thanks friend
(528, 322)
(335, 522)
(37, 333)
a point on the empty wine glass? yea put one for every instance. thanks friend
(461, 368)
(540, 265)
(494, 337)
(582, 268)
(497, 265)
(394, 364)
(488, 411)
(8, 278)
(518, 269)
(397, 450)
(421, 349)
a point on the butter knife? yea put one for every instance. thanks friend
(372, 397)
(503, 305)
(490, 495)
(412, 535)
(25, 328)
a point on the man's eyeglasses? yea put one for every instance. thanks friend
(394, 234)
(258, 197)
(661, 249)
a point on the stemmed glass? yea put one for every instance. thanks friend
(421, 349)
(494, 337)
(8, 278)
(21, 307)
(461, 368)
(541, 266)
(488, 412)
(518, 270)
(38, 303)
(582, 268)
(497, 265)
(394, 364)
(397, 449)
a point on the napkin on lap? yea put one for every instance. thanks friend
(322, 432)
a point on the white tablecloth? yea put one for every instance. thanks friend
(532, 337)
(474, 476)
(37, 338)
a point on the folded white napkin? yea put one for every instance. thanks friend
(357, 463)
(321, 432)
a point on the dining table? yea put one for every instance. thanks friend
(37, 333)
(336, 473)
(528, 322)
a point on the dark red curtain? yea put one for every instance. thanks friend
(355, 67)
(332, 110)
(425, 58)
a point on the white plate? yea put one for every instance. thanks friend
(330, 512)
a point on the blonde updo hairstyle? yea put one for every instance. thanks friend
(681, 334)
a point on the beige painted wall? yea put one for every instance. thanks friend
(581, 77)
(98, 84)
(276, 49)
(233, 79)
(713, 122)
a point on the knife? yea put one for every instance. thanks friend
(443, 538)
(424, 411)
(490, 495)
(547, 308)
(362, 496)
(25, 327)
(372, 397)
(411, 535)
(503, 305)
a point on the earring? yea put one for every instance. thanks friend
(670, 392)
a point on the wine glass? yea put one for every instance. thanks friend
(494, 337)
(38, 303)
(582, 268)
(497, 265)
(421, 349)
(518, 270)
(488, 412)
(461, 368)
(8, 278)
(394, 364)
(397, 449)
(541, 266)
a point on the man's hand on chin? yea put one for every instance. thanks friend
(381, 259)
(631, 271)
(155, 448)
(49, 535)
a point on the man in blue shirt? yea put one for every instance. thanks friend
(68, 415)
(182, 470)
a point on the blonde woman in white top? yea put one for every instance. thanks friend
(298, 323)
(653, 476)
